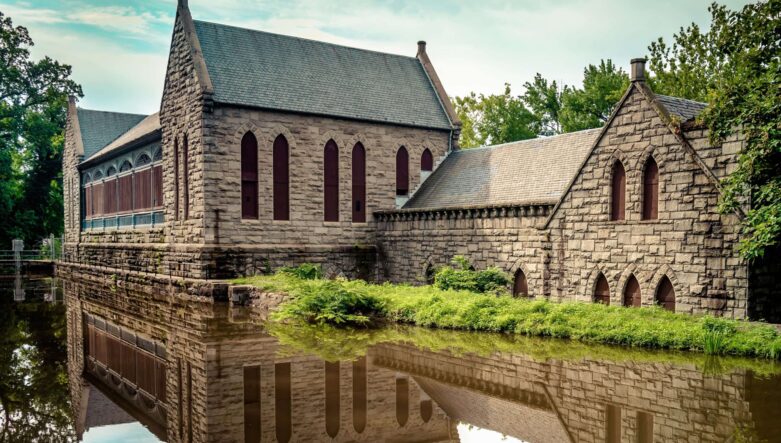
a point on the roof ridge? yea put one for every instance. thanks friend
(311, 40)
(113, 112)
(528, 140)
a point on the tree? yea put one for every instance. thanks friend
(33, 98)
(544, 100)
(494, 119)
(590, 107)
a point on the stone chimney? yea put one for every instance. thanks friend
(637, 73)
(421, 48)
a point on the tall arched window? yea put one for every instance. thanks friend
(249, 176)
(426, 161)
(332, 398)
(651, 190)
(359, 394)
(665, 294)
(281, 170)
(632, 292)
(618, 195)
(252, 403)
(402, 400)
(602, 290)
(176, 179)
(283, 405)
(402, 171)
(359, 183)
(331, 182)
(186, 176)
(520, 285)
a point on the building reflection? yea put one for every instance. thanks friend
(199, 372)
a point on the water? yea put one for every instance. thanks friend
(102, 363)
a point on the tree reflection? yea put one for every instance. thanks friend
(34, 400)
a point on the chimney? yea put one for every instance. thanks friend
(637, 73)
(421, 47)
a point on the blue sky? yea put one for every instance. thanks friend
(119, 49)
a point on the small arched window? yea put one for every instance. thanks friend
(426, 161)
(359, 183)
(111, 171)
(602, 290)
(98, 175)
(359, 394)
(249, 176)
(143, 159)
(665, 294)
(520, 285)
(632, 292)
(402, 171)
(331, 182)
(87, 178)
(158, 155)
(618, 192)
(281, 170)
(651, 190)
(126, 166)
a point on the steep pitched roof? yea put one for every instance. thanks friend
(99, 128)
(682, 108)
(529, 171)
(272, 71)
(144, 128)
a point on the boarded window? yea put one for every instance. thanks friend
(612, 424)
(665, 294)
(618, 196)
(157, 186)
(602, 290)
(632, 292)
(110, 196)
(402, 171)
(359, 394)
(281, 170)
(249, 176)
(426, 161)
(142, 189)
(359, 183)
(176, 179)
(645, 427)
(332, 400)
(651, 190)
(331, 182)
(88, 201)
(520, 285)
(126, 193)
(97, 199)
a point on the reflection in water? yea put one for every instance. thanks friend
(192, 372)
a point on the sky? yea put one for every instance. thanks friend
(118, 50)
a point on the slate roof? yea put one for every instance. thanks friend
(272, 71)
(681, 107)
(99, 128)
(145, 127)
(524, 172)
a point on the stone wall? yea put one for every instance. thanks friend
(690, 242)
(71, 180)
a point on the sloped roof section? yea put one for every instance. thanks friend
(99, 128)
(681, 107)
(525, 172)
(144, 128)
(272, 71)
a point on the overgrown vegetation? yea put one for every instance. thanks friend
(463, 277)
(357, 303)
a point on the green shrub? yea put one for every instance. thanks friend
(305, 271)
(331, 302)
(462, 277)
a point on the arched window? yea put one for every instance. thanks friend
(143, 159)
(252, 403)
(332, 399)
(126, 166)
(87, 178)
(331, 182)
(249, 176)
(520, 285)
(402, 400)
(359, 183)
(618, 195)
(359, 394)
(111, 171)
(665, 294)
(176, 179)
(426, 408)
(158, 155)
(602, 290)
(283, 406)
(98, 175)
(402, 171)
(651, 190)
(426, 161)
(632, 292)
(186, 176)
(281, 170)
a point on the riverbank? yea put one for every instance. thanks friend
(357, 303)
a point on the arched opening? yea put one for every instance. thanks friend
(249, 176)
(359, 183)
(143, 160)
(332, 400)
(331, 182)
(426, 161)
(281, 172)
(186, 176)
(618, 192)
(126, 166)
(632, 292)
(111, 171)
(651, 190)
(359, 394)
(520, 285)
(665, 294)
(426, 407)
(176, 179)
(402, 400)
(602, 290)
(158, 156)
(282, 402)
(402, 171)
(429, 273)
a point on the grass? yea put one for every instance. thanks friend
(357, 303)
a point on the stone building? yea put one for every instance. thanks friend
(271, 150)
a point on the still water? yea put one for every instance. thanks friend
(109, 364)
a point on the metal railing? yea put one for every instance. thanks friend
(138, 219)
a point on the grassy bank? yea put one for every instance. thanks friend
(357, 303)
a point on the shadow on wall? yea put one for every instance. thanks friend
(764, 301)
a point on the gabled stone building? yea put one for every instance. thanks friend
(270, 150)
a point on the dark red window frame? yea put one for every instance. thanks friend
(426, 161)
(281, 172)
(359, 183)
(618, 191)
(331, 182)
(249, 176)
(157, 186)
(402, 171)
(651, 190)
